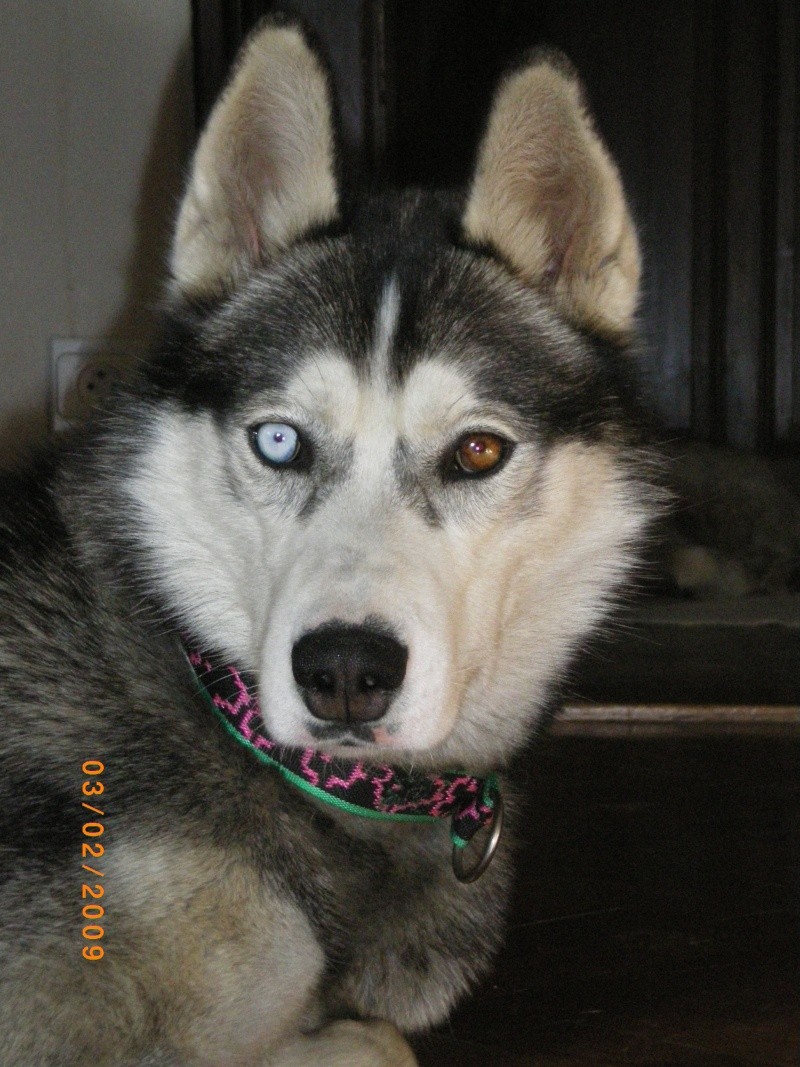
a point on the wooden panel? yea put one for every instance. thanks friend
(216, 36)
(674, 654)
(721, 714)
(787, 229)
(748, 174)
(446, 59)
(708, 274)
(663, 720)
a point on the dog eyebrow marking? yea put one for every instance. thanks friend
(386, 327)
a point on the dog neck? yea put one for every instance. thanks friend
(371, 791)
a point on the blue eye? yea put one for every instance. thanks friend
(276, 442)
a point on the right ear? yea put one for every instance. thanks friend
(264, 170)
(547, 195)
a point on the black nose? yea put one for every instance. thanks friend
(348, 673)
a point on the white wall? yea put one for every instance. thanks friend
(95, 127)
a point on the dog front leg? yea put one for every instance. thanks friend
(347, 1044)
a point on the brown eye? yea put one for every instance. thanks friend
(479, 453)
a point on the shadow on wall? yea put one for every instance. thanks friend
(132, 329)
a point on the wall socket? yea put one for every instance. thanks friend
(82, 374)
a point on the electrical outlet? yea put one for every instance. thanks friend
(82, 374)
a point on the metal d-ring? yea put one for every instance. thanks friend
(474, 873)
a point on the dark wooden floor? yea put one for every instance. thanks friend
(657, 918)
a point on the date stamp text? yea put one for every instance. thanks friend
(91, 852)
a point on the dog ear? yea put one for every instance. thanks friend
(263, 172)
(548, 197)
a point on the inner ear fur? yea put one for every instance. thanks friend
(548, 197)
(264, 169)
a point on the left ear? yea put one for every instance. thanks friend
(547, 195)
(263, 173)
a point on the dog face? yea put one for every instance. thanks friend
(391, 469)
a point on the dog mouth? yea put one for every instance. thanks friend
(350, 735)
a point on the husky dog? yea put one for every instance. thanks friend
(383, 474)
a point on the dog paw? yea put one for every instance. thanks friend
(348, 1044)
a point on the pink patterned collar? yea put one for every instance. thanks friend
(380, 792)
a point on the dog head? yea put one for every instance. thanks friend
(386, 456)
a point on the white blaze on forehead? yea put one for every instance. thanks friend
(386, 327)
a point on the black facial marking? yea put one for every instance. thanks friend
(332, 466)
(416, 486)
